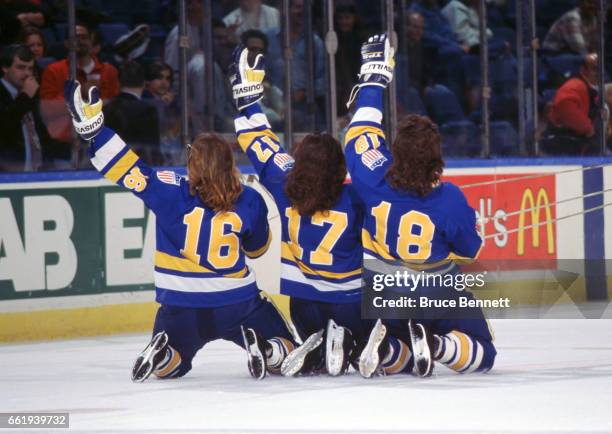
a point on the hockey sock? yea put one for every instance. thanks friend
(397, 358)
(276, 352)
(459, 352)
(169, 365)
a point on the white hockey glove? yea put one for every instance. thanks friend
(377, 64)
(87, 117)
(246, 80)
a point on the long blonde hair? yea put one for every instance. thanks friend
(212, 172)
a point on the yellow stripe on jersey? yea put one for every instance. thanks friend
(465, 259)
(121, 167)
(245, 139)
(257, 253)
(169, 262)
(362, 129)
(374, 246)
(288, 255)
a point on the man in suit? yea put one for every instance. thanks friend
(24, 142)
(135, 120)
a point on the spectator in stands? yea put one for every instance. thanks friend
(158, 92)
(17, 15)
(575, 32)
(24, 140)
(573, 115)
(272, 104)
(299, 67)
(462, 16)
(195, 17)
(224, 42)
(33, 38)
(419, 58)
(135, 120)
(438, 33)
(223, 110)
(440, 39)
(252, 14)
(90, 72)
(348, 59)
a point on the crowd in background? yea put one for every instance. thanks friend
(130, 51)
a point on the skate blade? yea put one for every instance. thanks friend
(334, 349)
(369, 361)
(295, 360)
(143, 367)
(254, 356)
(423, 361)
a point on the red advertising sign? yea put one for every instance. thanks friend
(517, 217)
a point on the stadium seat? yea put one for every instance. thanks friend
(110, 32)
(411, 101)
(460, 139)
(45, 61)
(505, 34)
(564, 64)
(443, 105)
(504, 138)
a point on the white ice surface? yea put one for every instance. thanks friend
(550, 376)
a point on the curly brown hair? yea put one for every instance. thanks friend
(212, 172)
(316, 180)
(417, 156)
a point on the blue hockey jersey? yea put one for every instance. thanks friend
(427, 233)
(200, 253)
(321, 255)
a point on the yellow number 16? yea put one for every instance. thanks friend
(218, 238)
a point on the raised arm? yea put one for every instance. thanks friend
(367, 156)
(113, 158)
(253, 131)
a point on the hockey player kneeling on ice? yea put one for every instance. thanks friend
(413, 218)
(321, 222)
(204, 229)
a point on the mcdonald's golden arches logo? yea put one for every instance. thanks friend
(528, 204)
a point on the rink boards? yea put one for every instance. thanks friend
(76, 251)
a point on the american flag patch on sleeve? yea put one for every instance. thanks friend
(169, 177)
(373, 158)
(283, 161)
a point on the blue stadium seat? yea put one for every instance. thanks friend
(471, 69)
(505, 34)
(411, 101)
(564, 64)
(110, 32)
(504, 138)
(460, 139)
(443, 105)
(45, 61)
(548, 95)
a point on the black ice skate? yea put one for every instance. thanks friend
(422, 343)
(370, 359)
(339, 347)
(256, 353)
(305, 358)
(150, 358)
